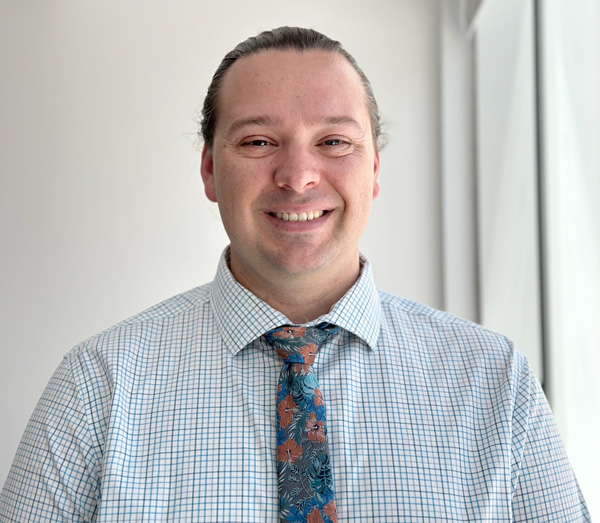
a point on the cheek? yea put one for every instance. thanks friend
(354, 181)
(239, 186)
(230, 179)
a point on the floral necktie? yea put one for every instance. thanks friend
(306, 491)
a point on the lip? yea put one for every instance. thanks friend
(297, 208)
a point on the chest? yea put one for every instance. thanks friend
(196, 441)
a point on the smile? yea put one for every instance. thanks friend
(298, 217)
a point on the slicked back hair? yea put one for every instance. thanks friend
(282, 39)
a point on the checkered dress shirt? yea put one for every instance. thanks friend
(170, 416)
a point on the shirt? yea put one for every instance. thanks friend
(171, 416)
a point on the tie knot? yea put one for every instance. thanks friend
(299, 344)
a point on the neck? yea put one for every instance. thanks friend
(301, 297)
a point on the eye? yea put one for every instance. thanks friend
(333, 141)
(256, 143)
(257, 146)
(335, 147)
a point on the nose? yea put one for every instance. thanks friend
(297, 169)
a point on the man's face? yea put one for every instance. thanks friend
(292, 140)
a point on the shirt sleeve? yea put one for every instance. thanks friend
(544, 485)
(54, 476)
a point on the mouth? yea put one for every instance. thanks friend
(298, 216)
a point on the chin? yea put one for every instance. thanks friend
(297, 264)
(299, 268)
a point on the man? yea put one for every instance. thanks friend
(381, 409)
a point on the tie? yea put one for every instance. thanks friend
(306, 491)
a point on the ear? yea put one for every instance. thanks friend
(376, 176)
(208, 174)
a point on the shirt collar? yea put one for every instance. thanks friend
(241, 317)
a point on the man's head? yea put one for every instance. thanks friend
(291, 159)
(283, 39)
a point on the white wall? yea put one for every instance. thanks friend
(509, 282)
(102, 211)
(458, 159)
(571, 82)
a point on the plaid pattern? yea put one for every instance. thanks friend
(170, 416)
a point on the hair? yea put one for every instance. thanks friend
(283, 39)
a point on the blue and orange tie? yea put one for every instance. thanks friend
(306, 491)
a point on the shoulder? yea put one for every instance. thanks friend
(417, 315)
(171, 308)
(447, 338)
(160, 325)
(399, 307)
(114, 364)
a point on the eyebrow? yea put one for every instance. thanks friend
(268, 121)
(342, 120)
(247, 122)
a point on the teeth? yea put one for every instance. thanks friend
(299, 217)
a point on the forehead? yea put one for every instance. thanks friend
(293, 86)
